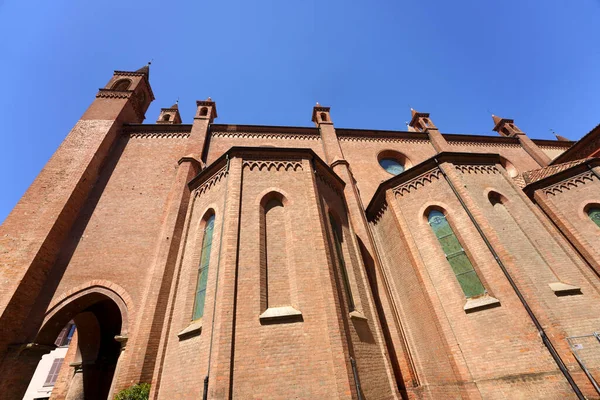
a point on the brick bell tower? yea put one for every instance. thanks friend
(34, 232)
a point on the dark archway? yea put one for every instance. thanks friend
(99, 320)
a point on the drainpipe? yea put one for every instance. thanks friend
(212, 328)
(559, 362)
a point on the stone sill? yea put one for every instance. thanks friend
(564, 289)
(193, 329)
(481, 303)
(280, 313)
(358, 315)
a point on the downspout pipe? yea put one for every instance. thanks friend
(212, 328)
(559, 362)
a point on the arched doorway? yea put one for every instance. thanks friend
(100, 318)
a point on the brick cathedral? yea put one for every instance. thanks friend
(266, 262)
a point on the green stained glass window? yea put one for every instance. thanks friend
(337, 238)
(203, 269)
(391, 165)
(594, 214)
(455, 254)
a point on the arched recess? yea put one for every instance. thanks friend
(339, 240)
(509, 167)
(101, 317)
(121, 84)
(275, 263)
(496, 198)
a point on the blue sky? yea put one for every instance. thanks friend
(268, 62)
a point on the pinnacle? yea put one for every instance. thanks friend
(496, 119)
(145, 70)
(176, 105)
(413, 112)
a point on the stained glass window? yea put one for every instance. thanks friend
(594, 214)
(391, 165)
(203, 269)
(337, 238)
(455, 254)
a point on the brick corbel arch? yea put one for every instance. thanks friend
(96, 287)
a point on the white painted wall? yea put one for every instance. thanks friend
(36, 388)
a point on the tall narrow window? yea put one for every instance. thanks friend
(338, 239)
(455, 254)
(594, 214)
(203, 269)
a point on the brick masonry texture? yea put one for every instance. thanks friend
(110, 235)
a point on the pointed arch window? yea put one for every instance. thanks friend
(594, 214)
(455, 254)
(203, 268)
(338, 239)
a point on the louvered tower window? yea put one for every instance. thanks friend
(203, 269)
(455, 254)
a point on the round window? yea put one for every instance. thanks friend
(391, 165)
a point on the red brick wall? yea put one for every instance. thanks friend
(185, 360)
(362, 154)
(568, 204)
(221, 141)
(116, 231)
(489, 344)
(514, 153)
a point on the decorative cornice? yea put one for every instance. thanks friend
(477, 169)
(265, 135)
(114, 94)
(212, 181)
(414, 183)
(129, 73)
(484, 144)
(159, 135)
(552, 147)
(405, 178)
(568, 184)
(333, 185)
(381, 139)
(379, 213)
(286, 165)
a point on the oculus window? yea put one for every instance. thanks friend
(392, 165)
